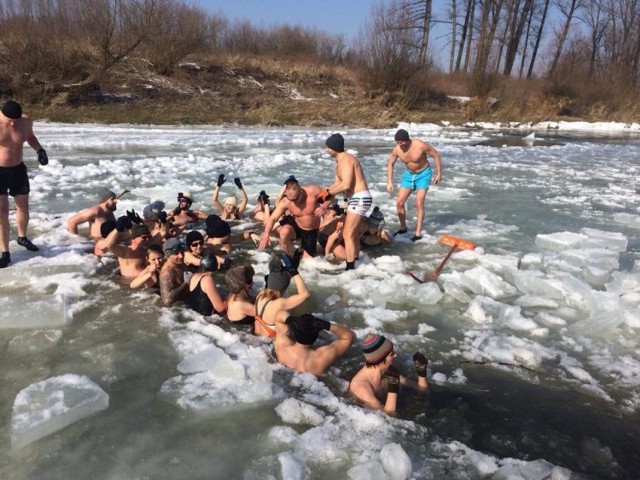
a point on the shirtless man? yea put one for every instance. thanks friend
(182, 214)
(349, 179)
(377, 384)
(302, 203)
(173, 286)
(295, 337)
(417, 176)
(132, 258)
(96, 215)
(15, 129)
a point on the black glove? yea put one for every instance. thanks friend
(43, 159)
(421, 363)
(134, 217)
(238, 183)
(263, 197)
(123, 223)
(176, 211)
(221, 179)
(321, 324)
(162, 217)
(192, 215)
(289, 265)
(393, 380)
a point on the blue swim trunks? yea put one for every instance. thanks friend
(416, 181)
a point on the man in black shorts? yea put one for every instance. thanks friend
(304, 221)
(15, 130)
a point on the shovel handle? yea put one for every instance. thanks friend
(123, 193)
(445, 259)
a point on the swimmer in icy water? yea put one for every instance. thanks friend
(231, 210)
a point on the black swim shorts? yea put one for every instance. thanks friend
(14, 180)
(308, 239)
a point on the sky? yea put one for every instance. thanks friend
(333, 16)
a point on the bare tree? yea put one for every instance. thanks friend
(491, 10)
(518, 21)
(568, 9)
(539, 33)
(468, 21)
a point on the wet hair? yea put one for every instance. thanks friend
(291, 181)
(208, 263)
(268, 294)
(155, 248)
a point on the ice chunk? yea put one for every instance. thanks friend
(368, 471)
(33, 342)
(624, 282)
(532, 282)
(215, 360)
(456, 291)
(481, 281)
(596, 276)
(560, 241)
(299, 413)
(535, 301)
(35, 311)
(50, 405)
(188, 343)
(291, 467)
(536, 470)
(627, 219)
(475, 312)
(510, 316)
(395, 462)
(499, 263)
(615, 241)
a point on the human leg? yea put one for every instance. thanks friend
(4, 223)
(287, 235)
(420, 196)
(350, 235)
(401, 200)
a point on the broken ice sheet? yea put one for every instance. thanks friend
(50, 405)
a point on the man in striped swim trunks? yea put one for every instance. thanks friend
(350, 181)
(417, 176)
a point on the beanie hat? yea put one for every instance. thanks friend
(402, 136)
(193, 236)
(278, 278)
(152, 211)
(305, 329)
(138, 230)
(375, 348)
(335, 142)
(238, 277)
(216, 227)
(376, 219)
(105, 194)
(12, 110)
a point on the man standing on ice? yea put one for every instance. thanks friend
(15, 130)
(417, 176)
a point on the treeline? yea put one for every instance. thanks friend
(46, 44)
(49, 42)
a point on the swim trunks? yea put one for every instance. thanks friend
(416, 181)
(360, 203)
(14, 180)
(308, 239)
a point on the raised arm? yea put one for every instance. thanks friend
(216, 202)
(243, 194)
(327, 354)
(289, 303)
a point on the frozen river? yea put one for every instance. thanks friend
(533, 338)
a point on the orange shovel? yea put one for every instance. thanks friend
(455, 242)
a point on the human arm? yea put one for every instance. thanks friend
(429, 150)
(289, 303)
(420, 363)
(79, 218)
(333, 239)
(209, 287)
(268, 226)
(327, 354)
(393, 158)
(243, 194)
(344, 178)
(384, 235)
(168, 292)
(143, 277)
(216, 202)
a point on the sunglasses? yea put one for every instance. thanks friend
(196, 244)
(183, 200)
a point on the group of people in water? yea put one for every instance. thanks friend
(167, 251)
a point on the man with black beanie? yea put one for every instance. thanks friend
(15, 130)
(417, 177)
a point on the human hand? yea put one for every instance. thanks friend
(437, 179)
(123, 223)
(289, 265)
(162, 217)
(186, 276)
(134, 217)
(263, 197)
(43, 159)
(321, 324)
(318, 212)
(393, 380)
(264, 239)
(421, 363)
(238, 183)
(221, 179)
(389, 188)
(324, 196)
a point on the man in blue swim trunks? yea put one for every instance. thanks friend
(417, 176)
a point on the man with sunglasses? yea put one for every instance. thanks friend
(182, 214)
(377, 384)
(15, 130)
(132, 258)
